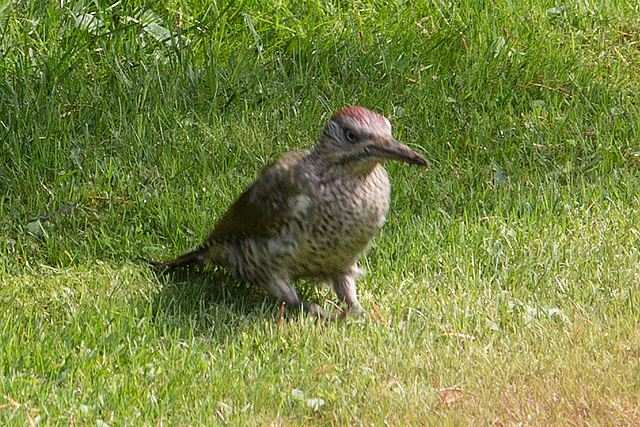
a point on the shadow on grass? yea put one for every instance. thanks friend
(208, 301)
(205, 297)
(189, 290)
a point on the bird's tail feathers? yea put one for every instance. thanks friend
(195, 256)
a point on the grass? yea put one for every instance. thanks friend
(504, 288)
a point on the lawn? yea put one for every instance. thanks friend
(504, 288)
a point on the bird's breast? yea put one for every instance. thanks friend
(347, 213)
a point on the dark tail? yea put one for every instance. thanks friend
(198, 255)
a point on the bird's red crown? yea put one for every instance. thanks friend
(362, 115)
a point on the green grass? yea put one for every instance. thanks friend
(506, 277)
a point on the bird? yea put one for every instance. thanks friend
(310, 215)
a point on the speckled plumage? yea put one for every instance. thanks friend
(311, 214)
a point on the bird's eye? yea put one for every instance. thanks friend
(350, 135)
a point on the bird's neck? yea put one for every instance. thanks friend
(356, 169)
(361, 169)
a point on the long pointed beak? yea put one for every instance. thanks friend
(390, 149)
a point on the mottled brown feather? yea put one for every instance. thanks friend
(261, 209)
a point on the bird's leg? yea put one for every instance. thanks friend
(283, 291)
(345, 288)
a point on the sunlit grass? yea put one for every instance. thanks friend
(504, 288)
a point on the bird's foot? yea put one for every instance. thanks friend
(314, 310)
(355, 310)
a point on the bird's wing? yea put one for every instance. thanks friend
(270, 201)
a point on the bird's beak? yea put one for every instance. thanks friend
(390, 149)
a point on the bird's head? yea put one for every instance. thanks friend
(359, 137)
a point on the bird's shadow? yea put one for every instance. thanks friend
(206, 297)
(188, 290)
